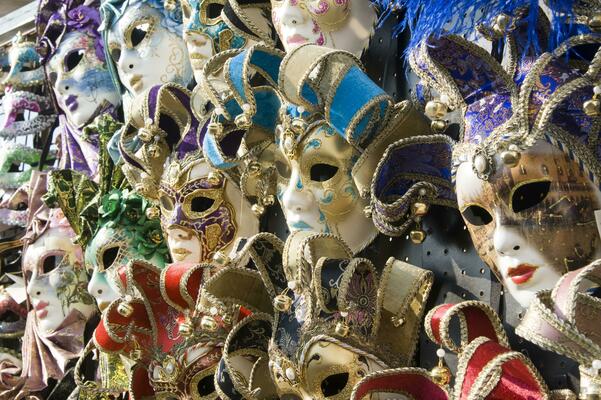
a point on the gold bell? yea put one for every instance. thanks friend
(214, 177)
(243, 121)
(254, 168)
(441, 374)
(438, 126)
(258, 209)
(153, 213)
(269, 200)
(594, 22)
(186, 328)
(145, 135)
(419, 209)
(501, 23)
(417, 236)
(220, 258)
(592, 107)
(208, 323)
(397, 322)
(154, 150)
(367, 211)
(125, 309)
(436, 109)
(342, 328)
(282, 303)
(510, 158)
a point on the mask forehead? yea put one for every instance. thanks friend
(134, 13)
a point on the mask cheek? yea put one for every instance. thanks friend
(337, 201)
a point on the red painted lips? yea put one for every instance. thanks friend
(40, 309)
(522, 273)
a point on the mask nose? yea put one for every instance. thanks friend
(507, 239)
(34, 289)
(128, 62)
(98, 285)
(297, 198)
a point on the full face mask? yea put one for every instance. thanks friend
(56, 276)
(344, 25)
(315, 187)
(143, 33)
(526, 168)
(320, 339)
(205, 32)
(202, 210)
(129, 229)
(74, 60)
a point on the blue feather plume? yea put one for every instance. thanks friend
(461, 17)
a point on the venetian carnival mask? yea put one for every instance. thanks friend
(53, 267)
(146, 46)
(205, 32)
(80, 79)
(526, 179)
(315, 187)
(128, 230)
(202, 211)
(531, 222)
(25, 70)
(345, 25)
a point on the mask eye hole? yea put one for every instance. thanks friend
(139, 33)
(200, 204)
(283, 169)
(9, 316)
(21, 206)
(166, 202)
(206, 385)
(109, 256)
(51, 262)
(115, 53)
(476, 215)
(529, 194)
(323, 172)
(186, 10)
(73, 59)
(334, 384)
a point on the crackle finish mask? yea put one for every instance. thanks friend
(340, 24)
(315, 187)
(144, 41)
(57, 280)
(205, 32)
(527, 167)
(533, 222)
(80, 78)
(24, 61)
(202, 211)
(125, 233)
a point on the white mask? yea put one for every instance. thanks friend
(57, 280)
(145, 52)
(345, 25)
(80, 79)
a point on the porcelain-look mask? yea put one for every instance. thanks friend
(202, 211)
(315, 187)
(340, 24)
(55, 275)
(330, 372)
(80, 79)
(147, 50)
(205, 32)
(533, 222)
(125, 234)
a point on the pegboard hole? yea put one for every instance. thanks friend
(428, 252)
(520, 316)
(446, 251)
(462, 272)
(464, 227)
(445, 273)
(463, 295)
(406, 259)
(481, 293)
(380, 40)
(482, 271)
(464, 250)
